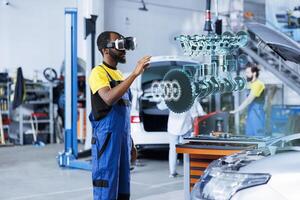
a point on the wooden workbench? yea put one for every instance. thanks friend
(198, 156)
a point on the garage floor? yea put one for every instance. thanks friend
(32, 173)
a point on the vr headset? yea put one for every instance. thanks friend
(127, 43)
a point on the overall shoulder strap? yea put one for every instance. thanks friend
(109, 76)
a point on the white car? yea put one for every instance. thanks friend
(148, 123)
(271, 172)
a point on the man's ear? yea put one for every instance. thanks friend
(105, 51)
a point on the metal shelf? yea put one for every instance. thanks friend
(5, 126)
(39, 132)
(36, 102)
(36, 91)
(39, 121)
(44, 132)
(6, 87)
(4, 112)
(42, 84)
(45, 102)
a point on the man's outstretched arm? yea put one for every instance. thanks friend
(112, 95)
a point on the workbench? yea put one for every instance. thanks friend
(199, 152)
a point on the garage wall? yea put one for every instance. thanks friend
(32, 33)
(156, 28)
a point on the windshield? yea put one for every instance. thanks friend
(284, 143)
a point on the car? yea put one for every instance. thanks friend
(270, 172)
(148, 123)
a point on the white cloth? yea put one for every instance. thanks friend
(173, 141)
(181, 123)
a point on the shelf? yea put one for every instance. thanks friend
(42, 98)
(5, 126)
(39, 132)
(44, 132)
(39, 121)
(37, 91)
(37, 102)
(38, 84)
(4, 112)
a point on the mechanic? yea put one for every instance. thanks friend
(110, 117)
(255, 123)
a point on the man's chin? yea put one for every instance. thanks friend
(122, 61)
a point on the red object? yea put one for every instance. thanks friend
(6, 121)
(199, 119)
(39, 114)
(135, 119)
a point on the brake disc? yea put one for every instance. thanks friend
(184, 102)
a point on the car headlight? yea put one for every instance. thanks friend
(220, 185)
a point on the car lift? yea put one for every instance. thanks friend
(69, 158)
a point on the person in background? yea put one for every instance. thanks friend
(179, 126)
(255, 123)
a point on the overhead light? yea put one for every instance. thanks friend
(144, 6)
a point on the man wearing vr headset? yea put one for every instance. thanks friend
(110, 117)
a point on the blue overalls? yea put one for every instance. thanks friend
(255, 123)
(111, 147)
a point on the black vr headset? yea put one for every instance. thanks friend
(127, 43)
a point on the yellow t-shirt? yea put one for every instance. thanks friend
(99, 78)
(256, 88)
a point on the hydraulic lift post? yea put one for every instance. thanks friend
(68, 158)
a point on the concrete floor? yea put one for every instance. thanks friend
(30, 172)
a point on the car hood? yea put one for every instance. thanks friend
(277, 164)
(277, 41)
(281, 165)
(284, 170)
(260, 161)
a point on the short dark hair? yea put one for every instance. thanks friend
(104, 38)
(253, 68)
